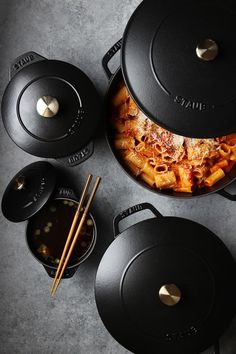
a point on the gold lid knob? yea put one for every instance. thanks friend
(207, 50)
(47, 106)
(19, 183)
(169, 294)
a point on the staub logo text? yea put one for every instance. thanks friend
(79, 156)
(189, 104)
(23, 61)
(76, 124)
(130, 211)
(179, 335)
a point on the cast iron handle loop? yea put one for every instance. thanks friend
(24, 60)
(78, 157)
(109, 55)
(135, 209)
(64, 192)
(227, 195)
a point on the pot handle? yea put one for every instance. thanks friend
(135, 209)
(67, 274)
(64, 192)
(109, 55)
(78, 157)
(24, 60)
(227, 195)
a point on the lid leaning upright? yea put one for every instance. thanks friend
(179, 64)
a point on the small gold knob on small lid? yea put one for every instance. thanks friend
(207, 50)
(19, 183)
(47, 106)
(169, 294)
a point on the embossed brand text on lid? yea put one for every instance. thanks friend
(23, 61)
(190, 104)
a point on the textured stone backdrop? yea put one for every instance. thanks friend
(31, 322)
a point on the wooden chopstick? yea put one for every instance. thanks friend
(98, 179)
(78, 210)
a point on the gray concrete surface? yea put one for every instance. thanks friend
(31, 322)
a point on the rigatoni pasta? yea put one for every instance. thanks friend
(165, 160)
(214, 177)
(123, 142)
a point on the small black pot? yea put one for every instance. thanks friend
(62, 194)
(160, 287)
(27, 194)
(48, 109)
(114, 80)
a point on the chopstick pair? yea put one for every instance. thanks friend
(65, 259)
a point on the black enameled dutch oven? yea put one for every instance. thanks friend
(178, 63)
(51, 109)
(26, 197)
(166, 285)
(115, 79)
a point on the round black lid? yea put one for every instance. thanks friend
(163, 287)
(50, 108)
(28, 191)
(179, 64)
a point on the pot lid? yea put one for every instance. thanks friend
(179, 64)
(50, 108)
(28, 191)
(161, 288)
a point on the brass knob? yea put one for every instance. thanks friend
(47, 106)
(207, 50)
(19, 183)
(169, 294)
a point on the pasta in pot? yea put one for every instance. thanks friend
(165, 160)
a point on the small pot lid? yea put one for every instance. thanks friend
(28, 191)
(178, 62)
(160, 287)
(50, 108)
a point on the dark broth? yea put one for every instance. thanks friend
(49, 229)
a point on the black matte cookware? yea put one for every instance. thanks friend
(166, 285)
(115, 79)
(178, 62)
(32, 191)
(51, 109)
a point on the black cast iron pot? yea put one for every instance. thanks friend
(26, 197)
(114, 80)
(163, 285)
(63, 194)
(51, 109)
(178, 62)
